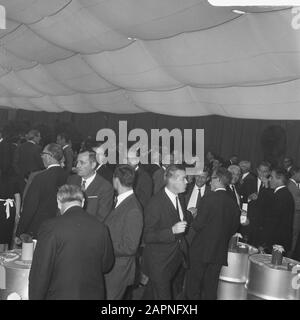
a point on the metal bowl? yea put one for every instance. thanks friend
(238, 265)
(271, 282)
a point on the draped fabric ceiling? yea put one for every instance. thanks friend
(175, 57)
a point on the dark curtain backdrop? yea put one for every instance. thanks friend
(224, 136)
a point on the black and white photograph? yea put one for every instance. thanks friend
(149, 151)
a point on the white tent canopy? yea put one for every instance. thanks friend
(183, 58)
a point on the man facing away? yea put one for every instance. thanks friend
(27, 157)
(209, 237)
(40, 200)
(125, 224)
(72, 254)
(98, 191)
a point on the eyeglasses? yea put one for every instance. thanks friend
(43, 153)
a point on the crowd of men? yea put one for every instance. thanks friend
(104, 229)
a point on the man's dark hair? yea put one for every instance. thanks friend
(224, 176)
(126, 174)
(65, 136)
(55, 150)
(281, 174)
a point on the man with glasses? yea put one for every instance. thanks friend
(209, 237)
(99, 193)
(40, 200)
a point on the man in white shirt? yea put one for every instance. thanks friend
(233, 187)
(98, 191)
(197, 191)
(125, 224)
(40, 200)
(165, 249)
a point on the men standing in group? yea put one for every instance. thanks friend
(277, 219)
(64, 141)
(72, 254)
(40, 200)
(103, 169)
(210, 235)
(27, 156)
(143, 183)
(195, 194)
(165, 249)
(98, 191)
(125, 224)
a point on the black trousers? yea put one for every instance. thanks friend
(202, 281)
(166, 285)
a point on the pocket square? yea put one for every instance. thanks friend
(92, 197)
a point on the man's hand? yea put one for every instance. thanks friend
(179, 227)
(252, 196)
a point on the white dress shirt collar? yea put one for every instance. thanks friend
(53, 165)
(278, 188)
(89, 180)
(245, 175)
(121, 197)
(65, 146)
(194, 195)
(294, 181)
(1, 139)
(219, 189)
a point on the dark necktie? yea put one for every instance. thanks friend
(198, 197)
(177, 208)
(83, 185)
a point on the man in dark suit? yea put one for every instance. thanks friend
(103, 169)
(98, 191)
(143, 183)
(234, 185)
(27, 156)
(277, 227)
(40, 201)
(164, 235)
(248, 181)
(196, 192)
(64, 141)
(125, 224)
(210, 235)
(72, 254)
